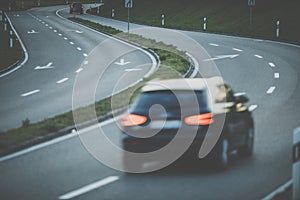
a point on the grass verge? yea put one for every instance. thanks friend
(225, 17)
(29, 134)
(8, 56)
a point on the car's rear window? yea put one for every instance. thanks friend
(172, 100)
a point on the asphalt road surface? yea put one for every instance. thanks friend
(267, 71)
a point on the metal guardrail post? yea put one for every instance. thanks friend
(296, 164)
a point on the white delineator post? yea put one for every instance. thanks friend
(5, 25)
(163, 20)
(204, 23)
(277, 28)
(113, 13)
(1, 17)
(296, 164)
(98, 9)
(11, 44)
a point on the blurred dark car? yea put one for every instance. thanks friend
(166, 106)
(76, 8)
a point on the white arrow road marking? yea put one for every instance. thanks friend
(48, 66)
(30, 93)
(276, 75)
(132, 70)
(271, 90)
(252, 108)
(272, 64)
(258, 56)
(222, 57)
(32, 32)
(62, 80)
(122, 62)
(235, 49)
(212, 44)
(89, 187)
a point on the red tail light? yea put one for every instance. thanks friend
(133, 120)
(200, 120)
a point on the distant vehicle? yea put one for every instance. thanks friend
(76, 8)
(170, 101)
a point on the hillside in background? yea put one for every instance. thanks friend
(227, 17)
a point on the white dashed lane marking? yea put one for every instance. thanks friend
(252, 108)
(30, 93)
(271, 90)
(72, 43)
(213, 44)
(272, 64)
(65, 38)
(60, 34)
(54, 31)
(86, 62)
(85, 55)
(258, 56)
(62, 80)
(235, 49)
(79, 70)
(78, 48)
(276, 75)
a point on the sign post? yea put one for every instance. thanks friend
(128, 5)
(251, 4)
(296, 164)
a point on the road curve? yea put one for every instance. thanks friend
(58, 50)
(267, 71)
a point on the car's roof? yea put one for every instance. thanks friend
(195, 84)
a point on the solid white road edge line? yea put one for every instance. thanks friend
(30, 93)
(23, 47)
(271, 90)
(89, 187)
(79, 70)
(278, 190)
(62, 80)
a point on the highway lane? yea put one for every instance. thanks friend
(57, 48)
(63, 167)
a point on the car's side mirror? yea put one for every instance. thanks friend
(241, 97)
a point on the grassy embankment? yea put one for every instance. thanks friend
(226, 17)
(29, 134)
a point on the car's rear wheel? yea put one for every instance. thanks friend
(222, 158)
(247, 149)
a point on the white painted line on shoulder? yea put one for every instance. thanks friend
(79, 49)
(252, 108)
(235, 49)
(271, 90)
(79, 70)
(60, 34)
(72, 43)
(85, 55)
(258, 56)
(278, 190)
(276, 75)
(62, 80)
(30, 93)
(272, 64)
(89, 187)
(212, 44)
